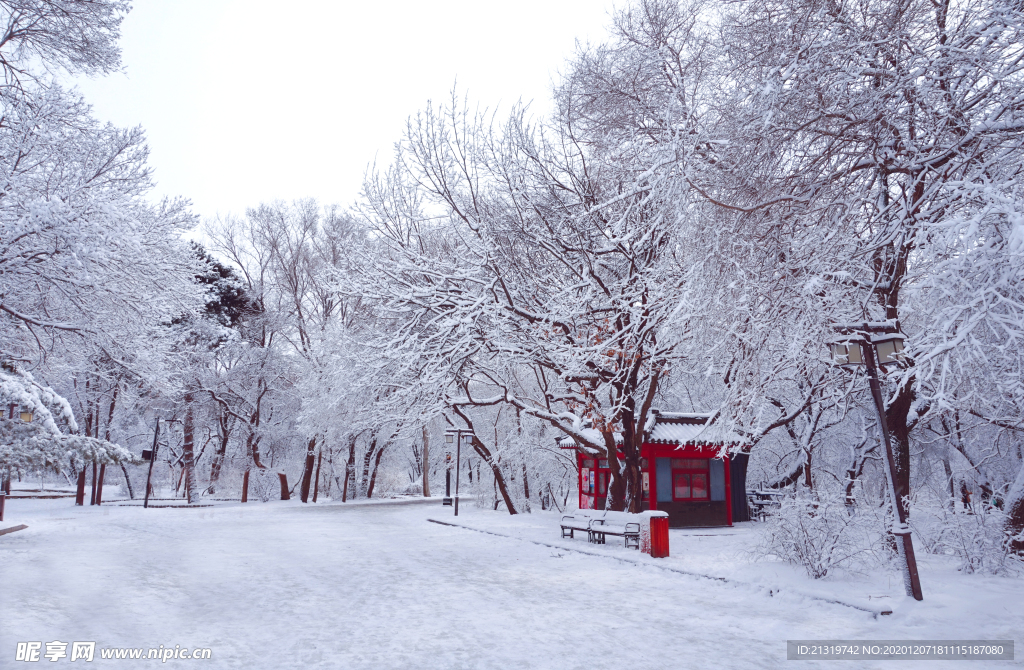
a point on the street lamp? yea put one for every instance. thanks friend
(858, 347)
(456, 435)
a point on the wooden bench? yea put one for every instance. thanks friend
(579, 520)
(619, 524)
(600, 523)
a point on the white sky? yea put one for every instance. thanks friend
(252, 101)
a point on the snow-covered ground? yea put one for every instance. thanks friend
(285, 585)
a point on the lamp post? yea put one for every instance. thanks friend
(859, 347)
(456, 435)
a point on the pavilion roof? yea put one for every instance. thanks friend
(670, 428)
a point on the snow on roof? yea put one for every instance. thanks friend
(699, 416)
(591, 434)
(683, 433)
(721, 435)
(670, 428)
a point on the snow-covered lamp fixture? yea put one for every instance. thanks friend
(26, 415)
(847, 353)
(889, 348)
(449, 438)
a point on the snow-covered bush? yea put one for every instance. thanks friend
(264, 484)
(976, 535)
(414, 487)
(42, 443)
(392, 481)
(820, 533)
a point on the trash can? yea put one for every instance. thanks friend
(654, 533)
(659, 537)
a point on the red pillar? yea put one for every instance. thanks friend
(728, 491)
(579, 480)
(652, 473)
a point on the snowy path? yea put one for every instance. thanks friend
(281, 586)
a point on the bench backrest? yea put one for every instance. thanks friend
(608, 516)
(589, 514)
(621, 518)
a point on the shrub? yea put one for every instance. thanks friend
(976, 535)
(820, 533)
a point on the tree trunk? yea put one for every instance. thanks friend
(980, 478)
(188, 452)
(99, 486)
(80, 491)
(526, 490)
(896, 418)
(485, 453)
(856, 469)
(499, 479)
(307, 470)
(220, 452)
(426, 462)
(92, 493)
(252, 441)
(349, 466)
(1015, 513)
(615, 496)
(329, 475)
(316, 477)
(376, 464)
(128, 482)
(364, 482)
(949, 478)
(554, 500)
(631, 473)
(107, 436)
